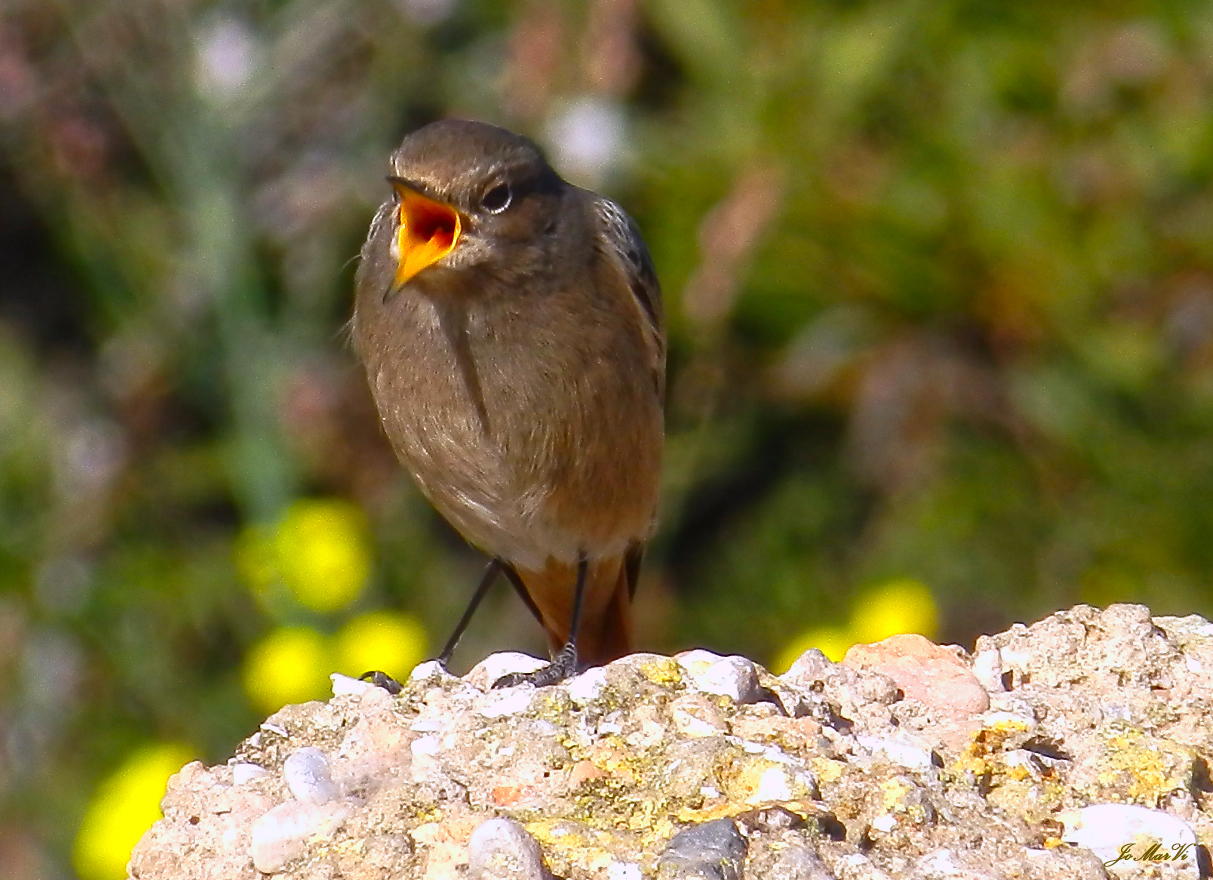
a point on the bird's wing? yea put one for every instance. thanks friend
(626, 250)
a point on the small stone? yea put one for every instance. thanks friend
(898, 749)
(987, 667)
(697, 715)
(501, 849)
(773, 786)
(344, 685)
(243, 772)
(712, 850)
(1125, 837)
(697, 661)
(926, 672)
(282, 834)
(308, 777)
(425, 745)
(428, 669)
(585, 688)
(732, 677)
(943, 864)
(494, 666)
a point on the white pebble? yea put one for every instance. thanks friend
(697, 661)
(1106, 829)
(427, 669)
(732, 677)
(495, 666)
(773, 786)
(344, 685)
(308, 777)
(585, 688)
(426, 745)
(245, 772)
(501, 849)
(281, 835)
(885, 823)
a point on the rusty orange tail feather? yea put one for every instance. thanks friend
(605, 633)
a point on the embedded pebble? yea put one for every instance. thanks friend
(712, 850)
(586, 687)
(282, 834)
(898, 751)
(426, 745)
(932, 674)
(428, 669)
(344, 685)
(732, 677)
(697, 661)
(509, 701)
(1123, 834)
(308, 776)
(987, 668)
(624, 871)
(773, 786)
(501, 849)
(496, 665)
(243, 772)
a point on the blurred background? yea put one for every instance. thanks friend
(939, 279)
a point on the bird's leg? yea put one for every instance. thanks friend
(486, 581)
(389, 684)
(564, 664)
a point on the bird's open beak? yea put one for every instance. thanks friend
(428, 230)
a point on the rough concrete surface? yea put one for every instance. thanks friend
(1047, 752)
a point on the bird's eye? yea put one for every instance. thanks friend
(497, 199)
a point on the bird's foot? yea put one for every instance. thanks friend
(383, 680)
(563, 665)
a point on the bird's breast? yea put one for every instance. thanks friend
(534, 432)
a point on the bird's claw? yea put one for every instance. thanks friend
(563, 665)
(383, 680)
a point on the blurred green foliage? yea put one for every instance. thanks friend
(939, 278)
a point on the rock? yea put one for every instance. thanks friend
(708, 766)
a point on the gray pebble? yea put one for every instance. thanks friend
(735, 678)
(711, 850)
(501, 849)
(308, 777)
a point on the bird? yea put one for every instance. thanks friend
(511, 328)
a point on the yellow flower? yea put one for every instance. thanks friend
(320, 551)
(384, 640)
(124, 805)
(290, 665)
(324, 552)
(901, 605)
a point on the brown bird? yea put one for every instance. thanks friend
(511, 328)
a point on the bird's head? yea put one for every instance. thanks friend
(468, 193)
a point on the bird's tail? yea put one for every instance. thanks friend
(605, 633)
